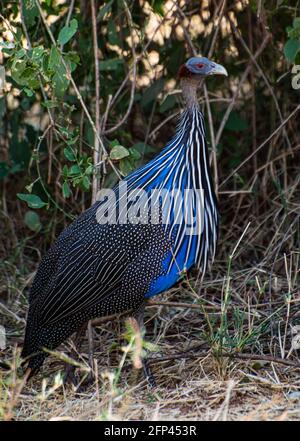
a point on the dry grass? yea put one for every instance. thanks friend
(241, 310)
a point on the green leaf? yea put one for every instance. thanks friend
(32, 220)
(30, 11)
(74, 170)
(113, 36)
(293, 33)
(4, 170)
(168, 103)
(29, 78)
(157, 6)
(134, 154)
(50, 104)
(64, 132)
(144, 148)
(65, 172)
(7, 45)
(66, 190)
(67, 32)
(85, 183)
(297, 59)
(126, 166)
(73, 60)
(60, 82)
(118, 152)
(296, 23)
(33, 201)
(69, 154)
(37, 52)
(19, 151)
(114, 143)
(72, 140)
(111, 64)
(28, 91)
(235, 123)
(17, 69)
(20, 53)
(89, 170)
(291, 48)
(54, 59)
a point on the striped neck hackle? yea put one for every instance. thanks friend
(189, 86)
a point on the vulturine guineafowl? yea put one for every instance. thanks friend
(136, 241)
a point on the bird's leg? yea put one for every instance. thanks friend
(138, 316)
(70, 368)
(90, 377)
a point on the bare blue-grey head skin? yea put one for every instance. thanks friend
(204, 67)
(192, 74)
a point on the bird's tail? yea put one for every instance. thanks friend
(32, 354)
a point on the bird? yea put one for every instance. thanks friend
(136, 241)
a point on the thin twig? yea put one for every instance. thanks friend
(261, 145)
(133, 82)
(250, 357)
(241, 39)
(96, 155)
(237, 91)
(78, 94)
(138, 59)
(24, 24)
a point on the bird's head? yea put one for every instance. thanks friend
(199, 67)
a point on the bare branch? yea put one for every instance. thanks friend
(134, 68)
(261, 145)
(96, 156)
(78, 94)
(237, 91)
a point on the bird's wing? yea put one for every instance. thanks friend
(50, 262)
(90, 268)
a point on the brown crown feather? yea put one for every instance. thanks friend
(184, 72)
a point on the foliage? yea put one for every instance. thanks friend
(47, 45)
(47, 141)
(292, 46)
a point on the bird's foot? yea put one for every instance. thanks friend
(149, 375)
(69, 375)
(80, 384)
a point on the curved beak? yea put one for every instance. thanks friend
(218, 70)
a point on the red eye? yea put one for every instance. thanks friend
(200, 65)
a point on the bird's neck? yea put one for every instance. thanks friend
(189, 91)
